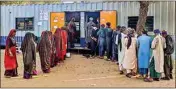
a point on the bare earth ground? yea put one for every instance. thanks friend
(78, 71)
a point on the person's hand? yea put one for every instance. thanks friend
(95, 39)
(11, 54)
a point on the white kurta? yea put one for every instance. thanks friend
(130, 59)
(122, 52)
(158, 45)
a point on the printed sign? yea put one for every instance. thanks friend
(43, 15)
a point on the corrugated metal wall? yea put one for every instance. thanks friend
(163, 12)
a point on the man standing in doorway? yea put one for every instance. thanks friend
(71, 32)
(89, 29)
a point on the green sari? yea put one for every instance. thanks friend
(153, 73)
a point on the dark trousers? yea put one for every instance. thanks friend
(168, 67)
(71, 40)
(109, 48)
(93, 47)
(114, 52)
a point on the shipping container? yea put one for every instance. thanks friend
(36, 18)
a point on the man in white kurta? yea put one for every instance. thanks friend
(130, 58)
(120, 40)
(156, 66)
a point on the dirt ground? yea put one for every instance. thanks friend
(78, 71)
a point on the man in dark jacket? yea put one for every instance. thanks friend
(168, 67)
(114, 46)
(94, 40)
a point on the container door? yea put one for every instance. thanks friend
(109, 16)
(57, 20)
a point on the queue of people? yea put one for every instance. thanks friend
(51, 47)
(137, 56)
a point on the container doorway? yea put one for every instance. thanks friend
(76, 15)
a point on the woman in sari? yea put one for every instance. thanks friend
(53, 49)
(10, 60)
(44, 48)
(64, 42)
(58, 40)
(34, 61)
(29, 55)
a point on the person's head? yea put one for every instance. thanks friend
(90, 19)
(156, 32)
(12, 33)
(144, 32)
(102, 26)
(118, 28)
(108, 24)
(29, 37)
(164, 33)
(73, 19)
(123, 30)
(131, 32)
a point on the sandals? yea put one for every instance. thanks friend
(148, 80)
(121, 72)
(129, 75)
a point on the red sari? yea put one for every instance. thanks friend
(58, 43)
(64, 43)
(10, 62)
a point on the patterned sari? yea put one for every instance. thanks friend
(29, 55)
(44, 48)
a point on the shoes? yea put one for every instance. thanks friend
(101, 57)
(148, 80)
(108, 59)
(156, 79)
(165, 78)
(117, 63)
(133, 73)
(121, 72)
(14, 75)
(139, 76)
(128, 75)
(171, 77)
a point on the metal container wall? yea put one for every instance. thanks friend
(163, 12)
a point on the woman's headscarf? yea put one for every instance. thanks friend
(12, 31)
(45, 41)
(27, 40)
(130, 35)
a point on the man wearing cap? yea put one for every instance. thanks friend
(156, 66)
(168, 67)
(89, 29)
